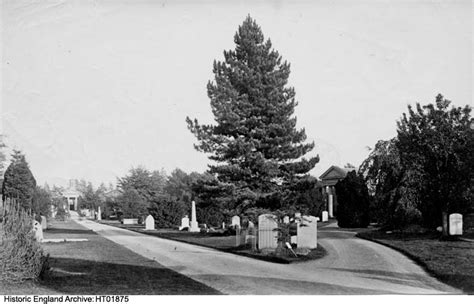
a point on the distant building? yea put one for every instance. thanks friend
(72, 195)
(328, 181)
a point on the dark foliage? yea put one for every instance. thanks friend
(18, 181)
(353, 198)
(256, 147)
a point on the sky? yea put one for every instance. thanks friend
(90, 89)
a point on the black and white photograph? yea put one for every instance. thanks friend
(156, 148)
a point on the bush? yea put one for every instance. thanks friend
(167, 211)
(61, 214)
(353, 198)
(21, 255)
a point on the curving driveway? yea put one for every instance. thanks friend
(352, 266)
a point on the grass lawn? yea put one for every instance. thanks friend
(221, 242)
(452, 262)
(100, 266)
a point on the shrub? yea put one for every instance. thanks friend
(21, 255)
(167, 211)
(353, 198)
(61, 214)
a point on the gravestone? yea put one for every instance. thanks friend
(194, 224)
(236, 221)
(184, 223)
(223, 225)
(294, 239)
(130, 221)
(44, 223)
(149, 223)
(38, 231)
(267, 236)
(286, 219)
(99, 214)
(325, 216)
(455, 224)
(307, 232)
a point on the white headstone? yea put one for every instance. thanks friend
(194, 224)
(286, 219)
(293, 239)
(223, 225)
(38, 231)
(99, 214)
(325, 216)
(130, 221)
(149, 223)
(307, 232)
(267, 236)
(455, 224)
(236, 221)
(184, 223)
(44, 223)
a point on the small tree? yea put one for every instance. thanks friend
(41, 203)
(394, 199)
(132, 204)
(353, 199)
(19, 182)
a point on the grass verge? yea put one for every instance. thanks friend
(449, 261)
(100, 266)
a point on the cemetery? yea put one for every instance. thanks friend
(258, 240)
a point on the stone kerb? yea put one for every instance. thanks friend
(267, 234)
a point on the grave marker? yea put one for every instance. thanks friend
(149, 223)
(267, 236)
(307, 232)
(184, 223)
(236, 221)
(44, 224)
(325, 216)
(194, 224)
(455, 224)
(38, 231)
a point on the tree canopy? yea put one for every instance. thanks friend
(19, 182)
(256, 149)
(436, 143)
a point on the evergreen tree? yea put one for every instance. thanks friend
(257, 150)
(18, 181)
(353, 198)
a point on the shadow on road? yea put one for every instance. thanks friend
(76, 276)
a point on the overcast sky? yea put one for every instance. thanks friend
(92, 88)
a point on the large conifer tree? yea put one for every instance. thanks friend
(19, 183)
(258, 151)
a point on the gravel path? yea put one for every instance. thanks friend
(352, 266)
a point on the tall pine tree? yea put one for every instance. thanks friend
(257, 150)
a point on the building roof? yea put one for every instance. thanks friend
(334, 174)
(70, 192)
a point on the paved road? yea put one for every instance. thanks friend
(352, 266)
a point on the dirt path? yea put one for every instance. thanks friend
(352, 266)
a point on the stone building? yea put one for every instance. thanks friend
(329, 180)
